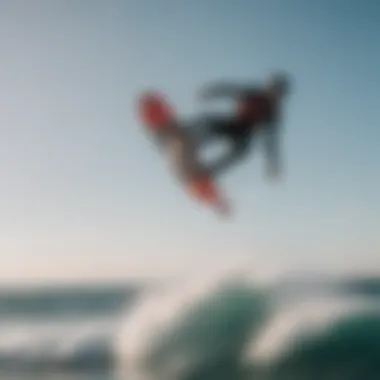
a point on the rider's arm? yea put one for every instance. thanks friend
(229, 90)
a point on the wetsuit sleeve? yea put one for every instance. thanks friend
(226, 90)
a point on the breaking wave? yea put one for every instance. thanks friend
(224, 327)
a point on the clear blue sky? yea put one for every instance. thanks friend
(83, 194)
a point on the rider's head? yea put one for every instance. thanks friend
(279, 84)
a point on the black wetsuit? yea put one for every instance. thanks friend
(255, 113)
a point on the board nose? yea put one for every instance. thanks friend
(155, 111)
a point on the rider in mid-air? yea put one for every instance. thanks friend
(258, 111)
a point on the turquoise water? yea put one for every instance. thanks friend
(227, 329)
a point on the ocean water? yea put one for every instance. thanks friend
(211, 328)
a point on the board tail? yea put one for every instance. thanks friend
(206, 192)
(155, 112)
